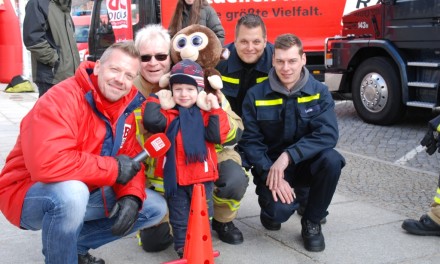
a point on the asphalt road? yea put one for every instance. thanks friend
(385, 164)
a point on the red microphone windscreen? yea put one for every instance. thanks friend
(157, 145)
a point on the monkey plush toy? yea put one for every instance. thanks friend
(200, 44)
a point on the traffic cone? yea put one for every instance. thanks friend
(198, 242)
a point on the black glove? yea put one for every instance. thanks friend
(127, 209)
(430, 141)
(127, 168)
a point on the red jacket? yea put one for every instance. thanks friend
(188, 173)
(63, 138)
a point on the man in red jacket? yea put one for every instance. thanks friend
(71, 164)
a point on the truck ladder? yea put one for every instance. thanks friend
(423, 85)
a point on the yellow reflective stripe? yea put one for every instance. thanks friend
(158, 184)
(218, 147)
(138, 118)
(437, 196)
(230, 80)
(138, 236)
(151, 166)
(308, 98)
(269, 102)
(231, 203)
(261, 79)
(231, 135)
(438, 128)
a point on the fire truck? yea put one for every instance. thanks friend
(387, 58)
(311, 20)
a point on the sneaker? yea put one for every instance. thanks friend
(89, 259)
(301, 211)
(312, 236)
(424, 227)
(19, 85)
(227, 232)
(269, 224)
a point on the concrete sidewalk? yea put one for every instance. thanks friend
(356, 231)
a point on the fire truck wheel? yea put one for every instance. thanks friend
(377, 93)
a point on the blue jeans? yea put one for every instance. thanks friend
(179, 206)
(73, 220)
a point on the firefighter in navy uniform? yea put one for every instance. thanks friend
(429, 223)
(249, 61)
(289, 138)
(249, 64)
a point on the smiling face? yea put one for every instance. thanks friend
(184, 94)
(250, 43)
(288, 64)
(116, 75)
(154, 69)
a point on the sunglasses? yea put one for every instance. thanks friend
(158, 57)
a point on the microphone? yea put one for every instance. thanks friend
(155, 146)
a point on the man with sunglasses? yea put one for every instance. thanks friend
(153, 43)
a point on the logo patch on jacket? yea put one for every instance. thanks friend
(127, 128)
(311, 110)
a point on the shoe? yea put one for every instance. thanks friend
(424, 227)
(301, 211)
(227, 232)
(269, 224)
(312, 236)
(161, 234)
(89, 259)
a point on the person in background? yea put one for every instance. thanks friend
(190, 12)
(76, 181)
(153, 43)
(49, 34)
(429, 223)
(290, 131)
(193, 134)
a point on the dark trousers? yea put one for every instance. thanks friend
(320, 173)
(179, 207)
(43, 87)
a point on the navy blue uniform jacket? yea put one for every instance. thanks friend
(302, 124)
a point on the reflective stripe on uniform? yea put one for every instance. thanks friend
(231, 203)
(157, 183)
(437, 196)
(231, 80)
(269, 102)
(138, 118)
(261, 79)
(307, 99)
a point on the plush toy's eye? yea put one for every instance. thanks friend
(198, 40)
(181, 42)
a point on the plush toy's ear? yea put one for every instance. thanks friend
(225, 54)
(216, 82)
(202, 102)
(164, 80)
(166, 99)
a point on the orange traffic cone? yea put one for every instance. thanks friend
(198, 243)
